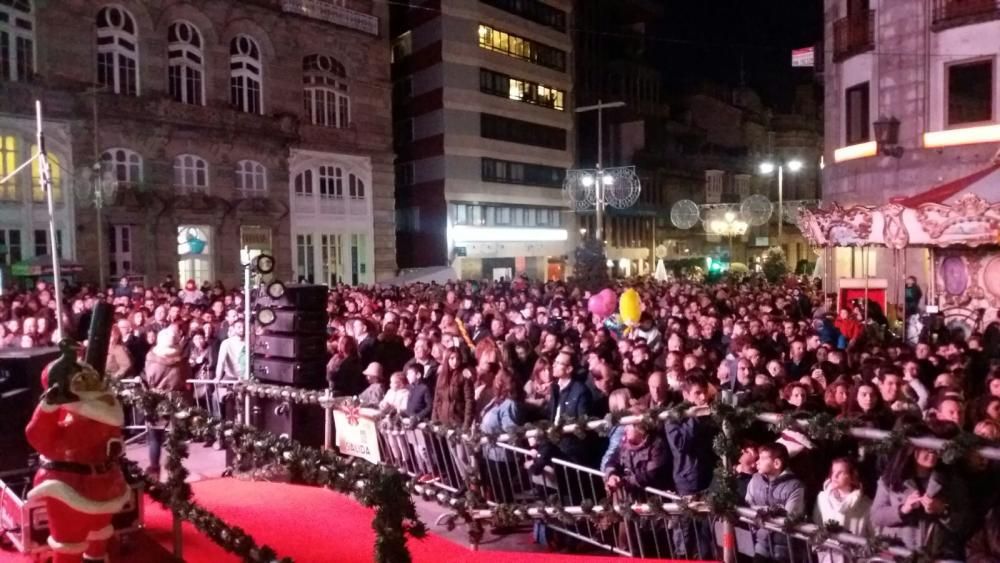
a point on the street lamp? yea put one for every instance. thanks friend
(95, 185)
(767, 168)
(729, 226)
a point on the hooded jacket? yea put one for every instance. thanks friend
(784, 491)
(851, 512)
(941, 534)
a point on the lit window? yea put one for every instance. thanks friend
(194, 253)
(245, 75)
(8, 163)
(117, 51)
(17, 40)
(37, 190)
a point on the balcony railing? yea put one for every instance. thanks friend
(954, 13)
(330, 12)
(853, 35)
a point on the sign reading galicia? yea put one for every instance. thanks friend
(330, 12)
(356, 434)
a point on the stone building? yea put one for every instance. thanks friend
(226, 124)
(931, 67)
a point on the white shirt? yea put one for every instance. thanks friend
(229, 365)
(395, 399)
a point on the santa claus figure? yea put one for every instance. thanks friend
(77, 429)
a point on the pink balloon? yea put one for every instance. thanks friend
(596, 305)
(609, 302)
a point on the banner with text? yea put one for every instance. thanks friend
(356, 434)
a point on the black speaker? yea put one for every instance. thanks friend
(290, 346)
(296, 320)
(302, 423)
(310, 374)
(20, 388)
(307, 297)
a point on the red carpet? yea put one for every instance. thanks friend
(305, 523)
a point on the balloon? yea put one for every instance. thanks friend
(630, 307)
(596, 305)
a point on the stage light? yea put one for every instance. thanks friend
(266, 317)
(275, 290)
(263, 264)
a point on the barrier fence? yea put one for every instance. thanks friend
(661, 524)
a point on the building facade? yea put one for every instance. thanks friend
(484, 130)
(930, 65)
(225, 126)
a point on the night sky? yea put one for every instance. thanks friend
(708, 39)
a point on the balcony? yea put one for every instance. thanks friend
(954, 13)
(331, 13)
(853, 35)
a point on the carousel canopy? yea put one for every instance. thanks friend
(962, 212)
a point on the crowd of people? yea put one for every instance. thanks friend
(494, 355)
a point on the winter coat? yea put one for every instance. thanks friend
(419, 402)
(785, 491)
(500, 417)
(572, 402)
(119, 362)
(984, 545)
(614, 442)
(641, 465)
(371, 396)
(454, 400)
(345, 375)
(693, 458)
(942, 533)
(395, 400)
(167, 373)
(850, 512)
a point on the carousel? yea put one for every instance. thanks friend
(958, 223)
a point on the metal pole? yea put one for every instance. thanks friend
(599, 180)
(246, 311)
(46, 178)
(328, 421)
(98, 199)
(781, 200)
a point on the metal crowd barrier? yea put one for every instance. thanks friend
(209, 394)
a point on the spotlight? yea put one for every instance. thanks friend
(266, 316)
(264, 264)
(275, 290)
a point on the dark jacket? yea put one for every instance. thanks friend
(345, 377)
(420, 402)
(691, 447)
(391, 353)
(984, 545)
(643, 465)
(573, 402)
(454, 400)
(366, 349)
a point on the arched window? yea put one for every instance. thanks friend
(186, 63)
(326, 100)
(251, 178)
(190, 174)
(17, 40)
(304, 184)
(127, 165)
(117, 51)
(245, 75)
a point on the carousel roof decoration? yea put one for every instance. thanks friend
(955, 213)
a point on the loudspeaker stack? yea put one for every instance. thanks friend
(291, 350)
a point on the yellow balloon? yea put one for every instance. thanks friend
(630, 306)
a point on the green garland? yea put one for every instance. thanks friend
(378, 487)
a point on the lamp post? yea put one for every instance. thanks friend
(95, 185)
(767, 168)
(598, 187)
(730, 226)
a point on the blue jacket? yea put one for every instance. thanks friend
(498, 418)
(419, 404)
(691, 447)
(614, 442)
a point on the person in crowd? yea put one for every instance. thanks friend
(373, 394)
(119, 363)
(921, 504)
(502, 414)
(843, 502)
(167, 371)
(775, 486)
(745, 468)
(398, 396)
(618, 404)
(232, 360)
(344, 371)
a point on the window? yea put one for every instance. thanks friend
(190, 174)
(10, 246)
(533, 10)
(127, 166)
(304, 184)
(245, 75)
(120, 250)
(194, 253)
(507, 172)
(355, 187)
(857, 127)
(526, 91)
(8, 163)
(331, 182)
(117, 51)
(404, 174)
(521, 132)
(257, 240)
(970, 92)
(17, 40)
(186, 64)
(330, 258)
(41, 239)
(402, 46)
(251, 178)
(511, 45)
(305, 266)
(326, 99)
(55, 170)
(359, 259)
